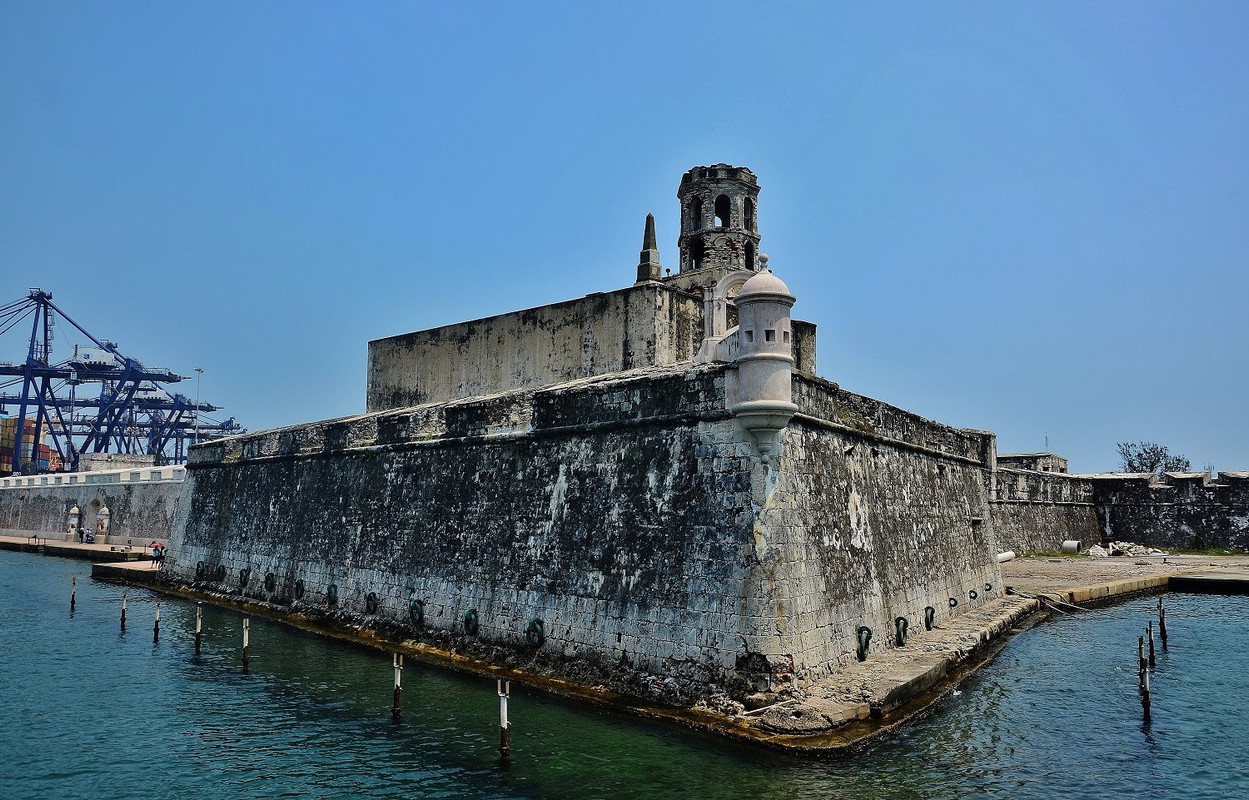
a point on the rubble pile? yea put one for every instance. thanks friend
(1124, 549)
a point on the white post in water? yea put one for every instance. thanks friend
(123, 609)
(156, 627)
(505, 747)
(199, 625)
(73, 592)
(395, 712)
(246, 654)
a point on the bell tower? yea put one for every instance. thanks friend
(719, 223)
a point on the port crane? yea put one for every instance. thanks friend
(98, 400)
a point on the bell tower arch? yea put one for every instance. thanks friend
(719, 223)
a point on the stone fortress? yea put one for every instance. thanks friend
(648, 489)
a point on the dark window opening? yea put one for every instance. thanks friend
(750, 256)
(749, 222)
(696, 214)
(769, 336)
(722, 211)
(750, 336)
(696, 254)
(785, 337)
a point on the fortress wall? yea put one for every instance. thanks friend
(822, 399)
(617, 511)
(872, 513)
(645, 325)
(860, 531)
(1038, 511)
(628, 513)
(139, 511)
(1185, 512)
(1033, 527)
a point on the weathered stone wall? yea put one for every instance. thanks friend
(1176, 511)
(1034, 527)
(1037, 511)
(825, 400)
(646, 325)
(617, 512)
(1035, 462)
(873, 514)
(140, 510)
(804, 346)
(628, 513)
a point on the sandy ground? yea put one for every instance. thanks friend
(1033, 575)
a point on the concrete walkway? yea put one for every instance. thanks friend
(1080, 578)
(64, 549)
(864, 699)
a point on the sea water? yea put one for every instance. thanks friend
(90, 711)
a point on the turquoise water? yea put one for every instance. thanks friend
(89, 712)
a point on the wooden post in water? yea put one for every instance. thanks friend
(1162, 623)
(1140, 658)
(73, 592)
(123, 609)
(395, 711)
(199, 625)
(156, 627)
(505, 747)
(246, 648)
(1145, 693)
(1149, 629)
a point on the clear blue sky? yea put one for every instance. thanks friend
(1026, 217)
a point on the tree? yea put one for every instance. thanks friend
(1150, 457)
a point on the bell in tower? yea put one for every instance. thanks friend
(719, 227)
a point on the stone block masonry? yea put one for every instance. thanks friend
(1175, 510)
(628, 513)
(650, 324)
(141, 503)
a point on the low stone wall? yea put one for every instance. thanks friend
(142, 503)
(1176, 511)
(1031, 527)
(1038, 511)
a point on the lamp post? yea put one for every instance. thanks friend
(199, 376)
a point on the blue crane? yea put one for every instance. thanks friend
(131, 412)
